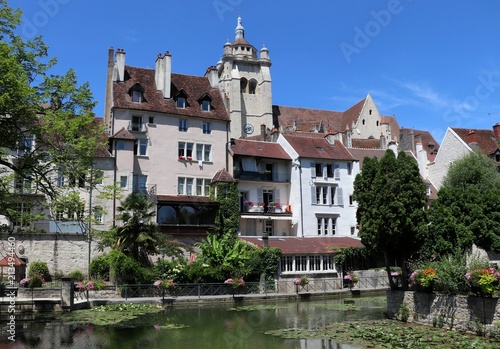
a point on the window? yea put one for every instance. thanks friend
(151, 120)
(98, 177)
(326, 226)
(322, 195)
(268, 228)
(139, 183)
(193, 186)
(77, 180)
(183, 125)
(349, 168)
(120, 145)
(98, 216)
(351, 200)
(185, 150)
(136, 96)
(203, 152)
(123, 181)
(181, 102)
(300, 263)
(136, 124)
(23, 185)
(497, 157)
(363, 122)
(252, 86)
(207, 129)
(23, 210)
(60, 177)
(141, 147)
(27, 145)
(353, 230)
(206, 105)
(243, 85)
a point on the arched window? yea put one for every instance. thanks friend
(377, 123)
(243, 85)
(363, 121)
(252, 86)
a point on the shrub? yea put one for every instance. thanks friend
(77, 275)
(99, 267)
(405, 312)
(451, 270)
(41, 269)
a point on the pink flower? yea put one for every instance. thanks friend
(229, 281)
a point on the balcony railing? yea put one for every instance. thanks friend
(137, 127)
(262, 176)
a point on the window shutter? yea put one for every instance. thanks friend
(260, 195)
(276, 195)
(336, 171)
(338, 195)
(329, 198)
(313, 170)
(313, 195)
(323, 167)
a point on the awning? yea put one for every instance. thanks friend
(273, 218)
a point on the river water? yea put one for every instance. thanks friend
(218, 326)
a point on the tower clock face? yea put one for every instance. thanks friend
(248, 129)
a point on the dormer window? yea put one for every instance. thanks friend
(181, 102)
(137, 93)
(136, 97)
(206, 105)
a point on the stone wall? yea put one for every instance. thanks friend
(62, 252)
(468, 313)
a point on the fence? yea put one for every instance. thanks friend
(286, 286)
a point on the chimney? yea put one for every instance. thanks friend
(383, 142)
(471, 137)
(412, 141)
(109, 88)
(159, 72)
(394, 147)
(213, 76)
(496, 130)
(167, 78)
(120, 64)
(348, 138)
(263, 132)
(265, 239)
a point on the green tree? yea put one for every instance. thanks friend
(391, 196)
(227, 220)
(46, 121)
(467, 210)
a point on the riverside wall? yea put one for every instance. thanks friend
(460, 312)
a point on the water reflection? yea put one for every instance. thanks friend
(206, 326)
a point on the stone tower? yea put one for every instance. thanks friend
(245, 84)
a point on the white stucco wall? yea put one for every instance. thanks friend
(452, 148)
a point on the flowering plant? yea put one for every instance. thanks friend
(236, 282)
(35, 281)
(189, 158)
(166, 284)
(424, 278)
(181, 157)
(484, 281)
(248, 203)
(261, 204)
(302, 281)
(351, 279)
(90, 285)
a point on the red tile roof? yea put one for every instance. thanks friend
(365, 143)
(351, 115)
(306, 245)
(222, 176)
(361, 154)
(184, 198)
(310, 146)
(485, 139)
(292, 119)
(123, 134)
(393, 125)
(12, 261)
(195, 87)
(244, 147)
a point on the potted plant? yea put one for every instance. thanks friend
(351, 280)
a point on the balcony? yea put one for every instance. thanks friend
(137, 127)
(261, 176)
(62, 227)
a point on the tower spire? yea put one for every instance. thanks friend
(240, 31)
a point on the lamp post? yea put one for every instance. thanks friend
(162, 251)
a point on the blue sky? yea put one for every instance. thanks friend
(432, 64)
